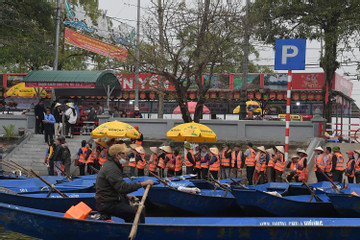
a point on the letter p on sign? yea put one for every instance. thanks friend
(290, 54)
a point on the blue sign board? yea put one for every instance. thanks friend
(290, 54)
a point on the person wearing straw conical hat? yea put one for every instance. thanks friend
(140, 160)
(319, 164)
(337, 165)
(302, 171)
(132, 159)
(350, 167)
(357, 166)
(270, 172)
(260, 165)
(112, 190)
(204, 161)
(279, 161)
(292, 166)
(214, 163)
(189, 159)
(153, 161)
(164, 159)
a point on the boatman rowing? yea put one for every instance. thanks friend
(112, 192)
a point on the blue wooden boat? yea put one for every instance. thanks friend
(284, 206)
(346, 204)
(52, 225)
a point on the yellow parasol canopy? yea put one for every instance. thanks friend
(115, 129)
(19, 90)
(192, 132)
(253, 105)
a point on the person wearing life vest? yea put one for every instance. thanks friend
(279, 163)
(237, 161)
(154, 160)
(91, 159)
(189, 159)
(337, 165)
(350, 167)
(270, 172)
(225, 161)
(292, 166)
(170, 161)
(178, 163)
(357, 167)
(49, 157)
(139, 140)
(250, 162)
(162, 159)
(140, 161)
(132, 159)
(328, 162)
(83, 155)
(197, 169)
(204, 161)
(214, 163)
(319, 164)
(302, 171)
(260, 165)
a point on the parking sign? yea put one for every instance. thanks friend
(290, 54)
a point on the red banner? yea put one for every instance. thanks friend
(82, 41)
(60, 85)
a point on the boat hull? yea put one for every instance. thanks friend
(346, 204)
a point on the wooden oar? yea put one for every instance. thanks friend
(312, 193)
(162, 180)
(21, 167)
(239, 183)
(94, 169)
(47, 183)
(134, 227)
(227, 189)
(332, 183)
(15, 167)
(8, 190)
(65, 174)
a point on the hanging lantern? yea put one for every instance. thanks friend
(152, 95)
(280, 96)
(93, 97)
(221, 95)
(125, 95)
(311, 96)
(192, 95)
(258, 95)
(266, 96)
(142, 95)
(250, 95)
(272, 95)
(207, 96)
(296, 96)
(318, 97)
(236, 95)
(303, 96)
(132, 95)
(213, 95)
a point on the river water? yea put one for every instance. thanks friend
(9, 235)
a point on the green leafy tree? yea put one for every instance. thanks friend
(336, 22)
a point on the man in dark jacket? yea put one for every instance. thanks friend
(39, 116)
(112, 191)
(57, 157)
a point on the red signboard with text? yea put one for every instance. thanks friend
(146, 81)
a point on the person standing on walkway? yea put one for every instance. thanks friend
(189, 159)
(139, 140)
(350, 167)
(319, 164)
(204, 161)
(260, 165)
(250, 162)
(279, 163)
(214, 163)
(197, 156)
(58, 156)
(237, 161)
(57, 112)
(337, 165)
(137, 113)
(132, 160)
(140, 161)
(71, 118)
(292, 166)
(39, 116)
(302, 171)
(357, 167)
(178, 163)
(225, 161)
(328, 162)
(154, 160)
(270, 171)
(49, 158)
(66, 157)
(82, 157)
(48, 123)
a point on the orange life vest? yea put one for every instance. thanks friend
(280, 164)
(187, 162)
(357, 165)
(103, 156)
(328, 165)
(171, 161)
(178, 163)
(216, 165)
(153, 164)
(319, 164)
(348, 166)
(141, 164)
(225, 162)
(82, 156)
(133, 163)
(92, 157)
(339, 162)
(260, 166)
(198, 163)
(161, 163)
(204, 164)
(250, 160)
(271, 162)
(293, 167)
(301, 163)
(237, 159)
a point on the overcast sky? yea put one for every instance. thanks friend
(125, 10)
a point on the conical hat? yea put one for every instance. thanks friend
(214, 150)
(319, 149)
(294, 156)
(357, 151)
(118, 148)
(301, 151)
(166, 149)
(280, 149)
(133, 146)
(140, 150)
(98, 141)
(262, 148)
(270, 150)
(154, 150)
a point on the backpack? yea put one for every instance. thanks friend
(66, 155)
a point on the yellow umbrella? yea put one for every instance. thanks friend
(249, 104)
(115, 129)
(19, 90)
(192, 132)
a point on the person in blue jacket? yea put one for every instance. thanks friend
(48, 122)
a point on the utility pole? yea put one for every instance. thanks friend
(243, 92)
(137, 70)
(57, 33)
(161, 43)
